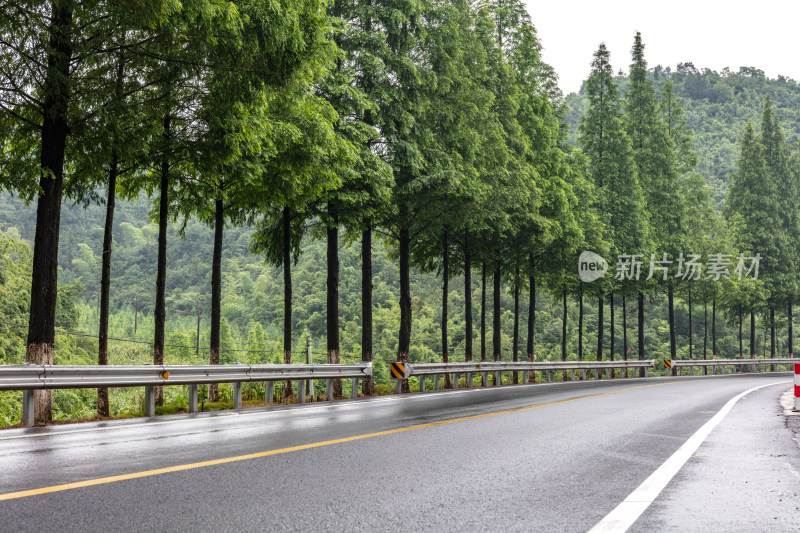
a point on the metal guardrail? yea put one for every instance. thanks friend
(484, 368)
(30, 377)
(680, 364)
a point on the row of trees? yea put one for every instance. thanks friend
(431, 122)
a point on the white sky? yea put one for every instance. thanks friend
(709, 33)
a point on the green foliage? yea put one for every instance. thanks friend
(15, 272)
(619, 198)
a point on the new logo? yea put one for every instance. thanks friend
(591, 266)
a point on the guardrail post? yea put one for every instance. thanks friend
(548, 373)
(572, 375)
(498, 379)
(329, 389)
(484, 379)
(436, 382)
(646, 372)
(398, 386)
(797, 386)
(149, 401)
(469, 380)
(680, 371)
(608, 373)
(354, 391)
(193, 398)
(455, 381)
(583, 374)
(269, 392)
(27, 408)
(237, 395)
(422, 383)
(301, 391)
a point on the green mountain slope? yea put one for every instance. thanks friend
(717, 107)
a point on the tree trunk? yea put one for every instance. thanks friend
(159, 314)
(741, 350)
(216, 294)
(580, 324)
(624, 333)
(515, 340)
(404, 339)
(773, 368)
(564, 330)
(54, 131)
(483, 311)
(705, 335)
(532, 325)
(790, 330)
(714, 328)
(673, 344)
(496, 333)
(612, 333)
(445, 289)
(690, 323)
(640, 328)
(332, 314)
(103, 408)
(467, 299)
(287, 295)
(599, 352)
(197, 337)
(367, 384)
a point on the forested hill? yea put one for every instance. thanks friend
(717, 106)
(252, 301)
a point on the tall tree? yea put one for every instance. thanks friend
(56, 60)
(656, 167)
(619, 197)
(782, 282)
(299, 167)
(752, 211)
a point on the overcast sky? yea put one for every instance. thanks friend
(710, 33)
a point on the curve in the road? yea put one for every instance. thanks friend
(202, 464)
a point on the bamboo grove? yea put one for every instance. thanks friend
(431, 125)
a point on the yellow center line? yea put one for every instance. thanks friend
(202, 464)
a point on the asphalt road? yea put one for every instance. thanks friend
(564, 457)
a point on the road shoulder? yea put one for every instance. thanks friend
(744, 477)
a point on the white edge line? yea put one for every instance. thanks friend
(631, 508)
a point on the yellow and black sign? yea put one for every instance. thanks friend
(398, 370)
(667, 363)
